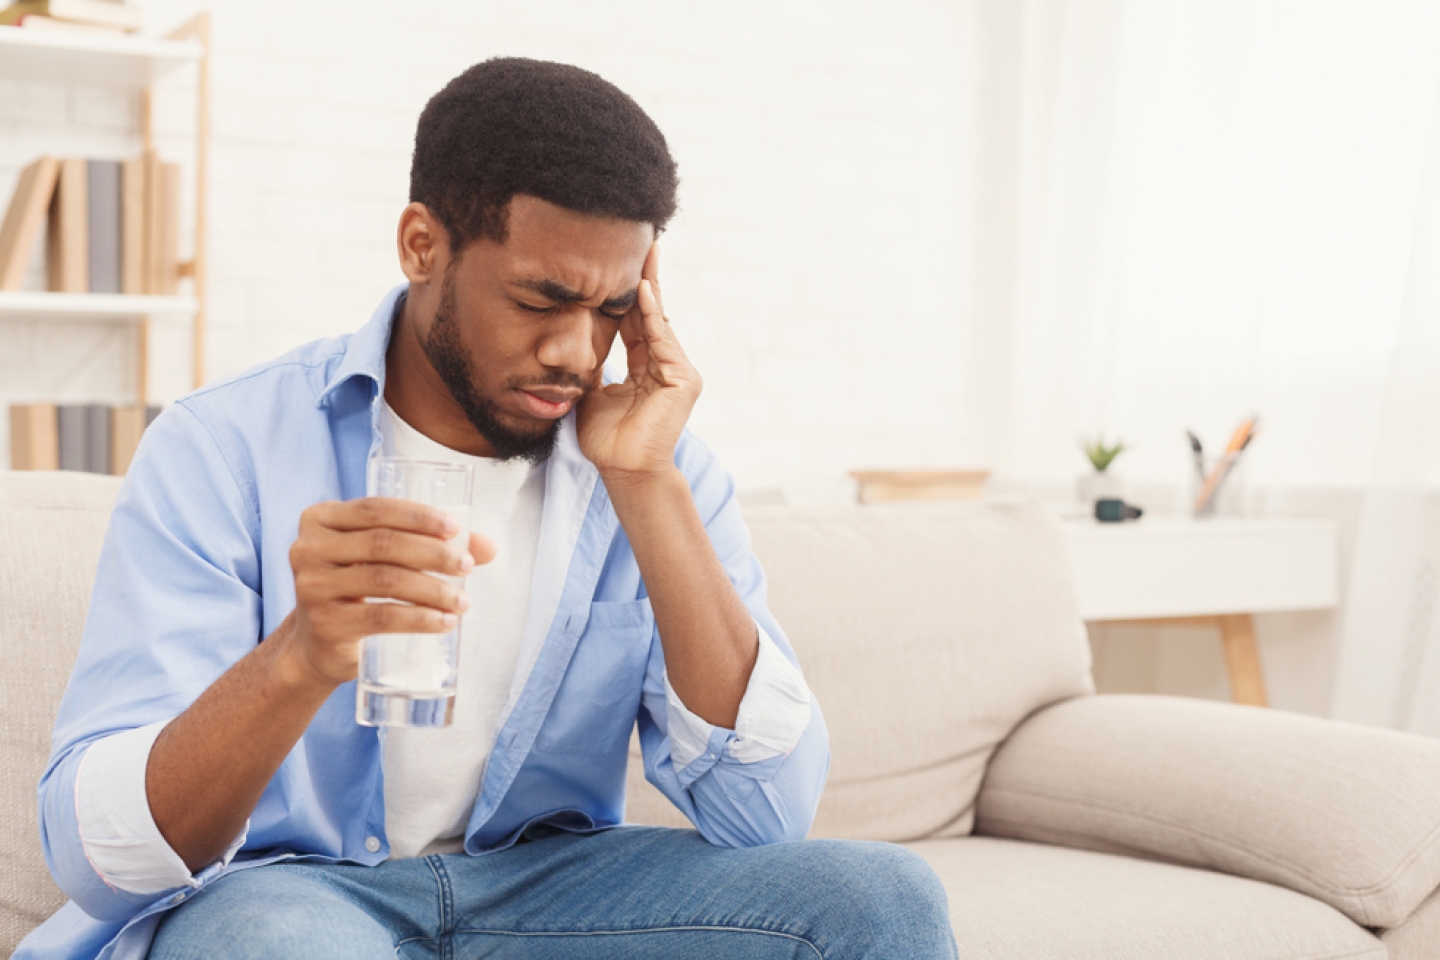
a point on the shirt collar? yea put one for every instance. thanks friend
(365, 353)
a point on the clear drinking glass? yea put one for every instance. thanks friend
(408, 679)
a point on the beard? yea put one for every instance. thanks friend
(446, 353)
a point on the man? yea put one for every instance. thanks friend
(210, 793)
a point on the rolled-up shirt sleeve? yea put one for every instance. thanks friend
(119, 835)
(772, 717)
(176, 602)
(761, 782)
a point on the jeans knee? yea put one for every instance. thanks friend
(878, 900)
(899, 881)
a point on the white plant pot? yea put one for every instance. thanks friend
(1099, 485)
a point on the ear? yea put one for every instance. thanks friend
(424, 246)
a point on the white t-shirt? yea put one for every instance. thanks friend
(433, 775)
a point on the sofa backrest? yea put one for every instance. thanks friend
(51, 528)
(926, 633)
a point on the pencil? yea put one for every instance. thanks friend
(1238, 442)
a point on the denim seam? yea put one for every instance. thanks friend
(625, 932)
(447, 906)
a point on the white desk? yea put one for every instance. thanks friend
(1214, 572)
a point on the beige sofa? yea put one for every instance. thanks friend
(946, 649)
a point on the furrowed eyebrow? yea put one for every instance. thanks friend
(559, 293)
(550, 290)
(623, 302)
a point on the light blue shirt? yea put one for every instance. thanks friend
(195, 572)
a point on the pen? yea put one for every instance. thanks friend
(1198, 450)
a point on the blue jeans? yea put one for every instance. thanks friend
(630, 892)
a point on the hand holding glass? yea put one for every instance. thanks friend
(408, 679)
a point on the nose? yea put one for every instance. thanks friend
(568, 342)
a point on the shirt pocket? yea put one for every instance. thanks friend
(599, 697)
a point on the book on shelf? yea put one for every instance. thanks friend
(114, 226)
(126, 426)
(114, 14)
(162, 248)
(67, 246)
(21, 227)
(103, 234)
(88, 437)
(132, 226)
(34, 22)
(97, 438)
(34, 443)
(883, 486)
(72, 429)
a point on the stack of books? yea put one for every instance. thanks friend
(110, 16)
(114, 226)
(883, 486)
(90, 437)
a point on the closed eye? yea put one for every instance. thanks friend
(531, 308)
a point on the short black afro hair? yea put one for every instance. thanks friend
(550, 130)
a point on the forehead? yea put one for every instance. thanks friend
(593, 255)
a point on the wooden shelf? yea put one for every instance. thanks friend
(129, 63)
(25, 305)
(122, 60)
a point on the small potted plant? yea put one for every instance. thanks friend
(1101, 483)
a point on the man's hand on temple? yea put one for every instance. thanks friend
(629, 430)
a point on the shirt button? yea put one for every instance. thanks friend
(178, 898)
(372, 844)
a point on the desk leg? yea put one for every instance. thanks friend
(1242, 659)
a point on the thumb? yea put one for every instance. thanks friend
(482, 549)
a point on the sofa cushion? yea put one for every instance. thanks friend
(1418, 938)
(1011, 900)
(1345, 813)
(51, 528)
(927, 632)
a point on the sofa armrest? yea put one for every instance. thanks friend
(1347, 814)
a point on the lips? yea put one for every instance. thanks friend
(547, 403)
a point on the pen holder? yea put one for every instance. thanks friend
(1220, 491)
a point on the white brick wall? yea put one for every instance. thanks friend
(818, 271)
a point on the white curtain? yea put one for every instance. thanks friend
(1197, 209)
(1389, 669)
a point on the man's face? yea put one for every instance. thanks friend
(522, 328)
